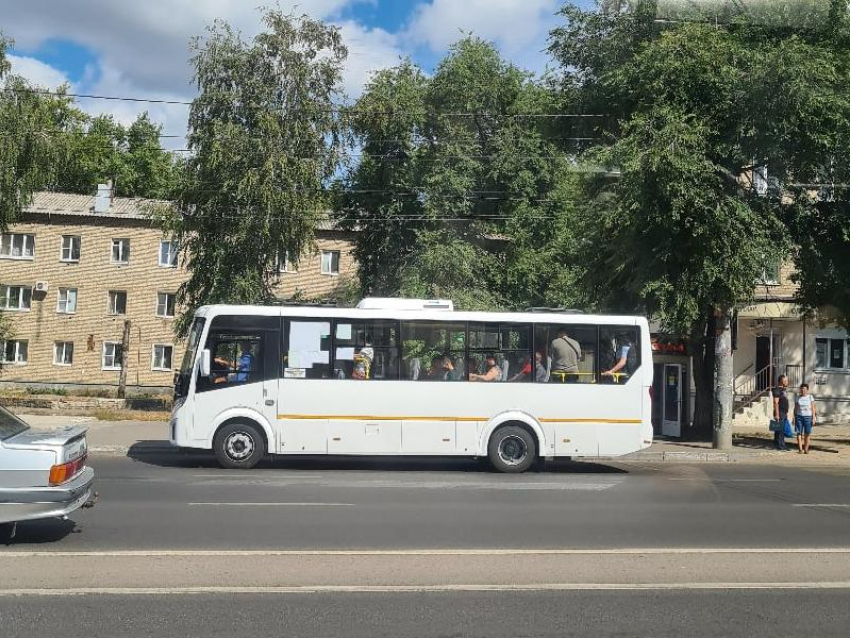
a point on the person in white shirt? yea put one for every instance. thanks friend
(805, 415)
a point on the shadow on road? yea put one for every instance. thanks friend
(143, 452)
(37, 532)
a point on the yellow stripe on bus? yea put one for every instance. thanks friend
(361, 417)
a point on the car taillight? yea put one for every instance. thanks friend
(651, 393)
(61, 473)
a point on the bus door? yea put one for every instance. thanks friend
(244, 355)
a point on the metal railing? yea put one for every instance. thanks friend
(754, 387)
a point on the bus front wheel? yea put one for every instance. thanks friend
(239, 445)
(511, 449)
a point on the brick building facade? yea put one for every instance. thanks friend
(70, 276)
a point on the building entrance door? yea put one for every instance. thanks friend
(672, 400)
(767, 355)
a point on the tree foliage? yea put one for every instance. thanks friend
(458, 189)
(266, 136)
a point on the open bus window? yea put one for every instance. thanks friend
(307, 351)
(569, 352)
(433, 351)
(507, 346)
(366, 349)
(236, 358)
(619, 354)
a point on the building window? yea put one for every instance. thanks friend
(112, 355)
(71, 248)
(63, 353)
(15, 297)
(117, 302)
(66, 302)
(14, 352)
(17, 246)
(162, 357)
(120, 251)
(770, 275)
(330, 262)
(165, 304)
(760, 182)
(832, 353)
(168, 250)
(284, 263)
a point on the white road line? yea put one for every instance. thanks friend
(224, 474)
(331, 589)
(271, 504)
(424, 552)
(821, 504)
(715, 480)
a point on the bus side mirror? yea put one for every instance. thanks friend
(205, 362)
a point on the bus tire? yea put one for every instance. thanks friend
(511, 449)
(239, 445)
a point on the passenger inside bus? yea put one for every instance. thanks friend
(525, 372)
(492, 373)
(566, 356)
(622, 347)
(235, 371)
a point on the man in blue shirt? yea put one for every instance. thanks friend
(246, 362)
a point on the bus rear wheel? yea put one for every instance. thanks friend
(239, 445)
(511, 449)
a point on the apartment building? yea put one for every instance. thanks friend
(75, 268)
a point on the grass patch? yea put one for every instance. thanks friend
(107, 414)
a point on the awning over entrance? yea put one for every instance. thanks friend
(770, 310)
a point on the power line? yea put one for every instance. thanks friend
(336, 110)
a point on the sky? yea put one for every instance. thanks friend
(140, 49)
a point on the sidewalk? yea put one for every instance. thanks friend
(830, 443)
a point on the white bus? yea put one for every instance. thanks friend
(409, 377)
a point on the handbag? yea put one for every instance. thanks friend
(774, 425)
(789, 431)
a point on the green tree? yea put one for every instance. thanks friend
(694, 109)
(460, 192)
(267, 136)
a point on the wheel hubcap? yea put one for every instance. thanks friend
(512, 450)
(239, 446)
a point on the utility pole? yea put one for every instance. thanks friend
(723, 390)
(125, 348)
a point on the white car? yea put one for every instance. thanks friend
(43, 473)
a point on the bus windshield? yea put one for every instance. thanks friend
(181, 383)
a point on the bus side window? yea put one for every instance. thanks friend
(568, 352)
(619, 349)
(307, 349)
(433, 351)
(366, 349)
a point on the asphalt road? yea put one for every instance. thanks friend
(370, 547)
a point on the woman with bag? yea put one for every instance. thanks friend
(780, 413)
(804, 418)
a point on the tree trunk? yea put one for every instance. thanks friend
(702, 344)
(722, 438)
(125, 348)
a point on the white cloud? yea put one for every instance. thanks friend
(369, 50)
(37, 72)
(518, 27)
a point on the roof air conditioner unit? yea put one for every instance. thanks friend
(41, 286)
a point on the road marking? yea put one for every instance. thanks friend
(225, 473)
(421, 552)
(711, 480)
(821, 504)
(331, 589)
(271, 504)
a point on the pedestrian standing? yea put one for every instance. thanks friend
(804, 418)
(780, 411)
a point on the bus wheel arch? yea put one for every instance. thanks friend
(240, 442)
(513, 446)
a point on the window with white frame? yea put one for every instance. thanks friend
(112, 352)
(165, 304)
(14, 351)
(15, 297)
(770, 275)
(760, 183)
(162, 355)
(117, 302)
(168, 250)
(330, 262)
(17, 246)
(66, 301)
(120, 251)
(71, 247)
(284, 263)
(832, 353)
(63, 353)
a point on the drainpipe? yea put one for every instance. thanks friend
(803, 379)
(771, 381)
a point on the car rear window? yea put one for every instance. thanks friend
(10, 425)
